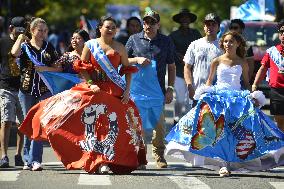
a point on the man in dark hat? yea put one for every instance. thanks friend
(200, 53)
(181, 39)
(153, 53)
(10, 108)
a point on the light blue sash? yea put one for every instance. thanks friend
(104, 62)
(277, 58)
(56, 82)
(147, 95)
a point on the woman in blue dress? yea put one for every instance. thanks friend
(226, 130)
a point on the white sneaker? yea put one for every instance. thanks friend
(104, 169)
(224, 172)
(36, 166)
(26, 166)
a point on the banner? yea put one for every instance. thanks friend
(256, 10)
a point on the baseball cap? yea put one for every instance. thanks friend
(212, 17)
(19, 23)
(152, 14)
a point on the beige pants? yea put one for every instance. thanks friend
(158, 145)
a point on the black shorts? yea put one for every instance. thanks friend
(277, 101)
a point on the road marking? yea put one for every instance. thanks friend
(186, 182)
(94, 180)
(278, 169)
(53, 163)
(185, 164)
(9, 175)
(149, 163)
(277, 185)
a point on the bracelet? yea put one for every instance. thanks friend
(90, 82)
(171, 87)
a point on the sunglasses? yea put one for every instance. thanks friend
(234, 27)
(150, 22)
(281, 32)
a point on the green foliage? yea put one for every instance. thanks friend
(65, 13)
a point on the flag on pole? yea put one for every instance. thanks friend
(256, 10)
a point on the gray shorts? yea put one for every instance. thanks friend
(10, 108)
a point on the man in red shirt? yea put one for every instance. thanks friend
(274, 60)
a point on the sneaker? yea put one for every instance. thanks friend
(103, 169)
(161, 162)
(36, 166)
(4, 162)
(19, 160)
(26, 166)
(224, 172)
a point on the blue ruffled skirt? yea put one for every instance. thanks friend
(226, 129)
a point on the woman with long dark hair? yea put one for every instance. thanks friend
(65, 62)
(94, 125)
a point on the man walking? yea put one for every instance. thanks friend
(182, 39)
(200, 54)
(153, 53)
(10, 107)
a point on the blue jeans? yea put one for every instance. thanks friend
(32, 149)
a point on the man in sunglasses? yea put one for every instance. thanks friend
(152, 53)
(238, 25)
(274, 59)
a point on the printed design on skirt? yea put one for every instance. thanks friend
(58, 109)
(132, 122)
(209, 130)
(246, 143)
(91, 143)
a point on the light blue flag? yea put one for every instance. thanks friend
(57, 82)
(147, 95)
(256, 10)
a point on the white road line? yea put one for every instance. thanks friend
(94, 180)
(186, 182)
(185, 164)
(277, 185)
(53, 163)
(9, 175)
(280, 169)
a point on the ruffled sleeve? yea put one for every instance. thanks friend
(259, 96)
(80, 65)
(127, 69)
(201, 90)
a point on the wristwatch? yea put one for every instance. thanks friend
(171, 87)
(188, 86)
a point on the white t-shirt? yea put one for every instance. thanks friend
(200, 54)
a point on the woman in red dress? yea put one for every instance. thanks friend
(94, 125)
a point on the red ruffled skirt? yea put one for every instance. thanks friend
(86, 129)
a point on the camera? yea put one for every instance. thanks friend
(19, 30)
